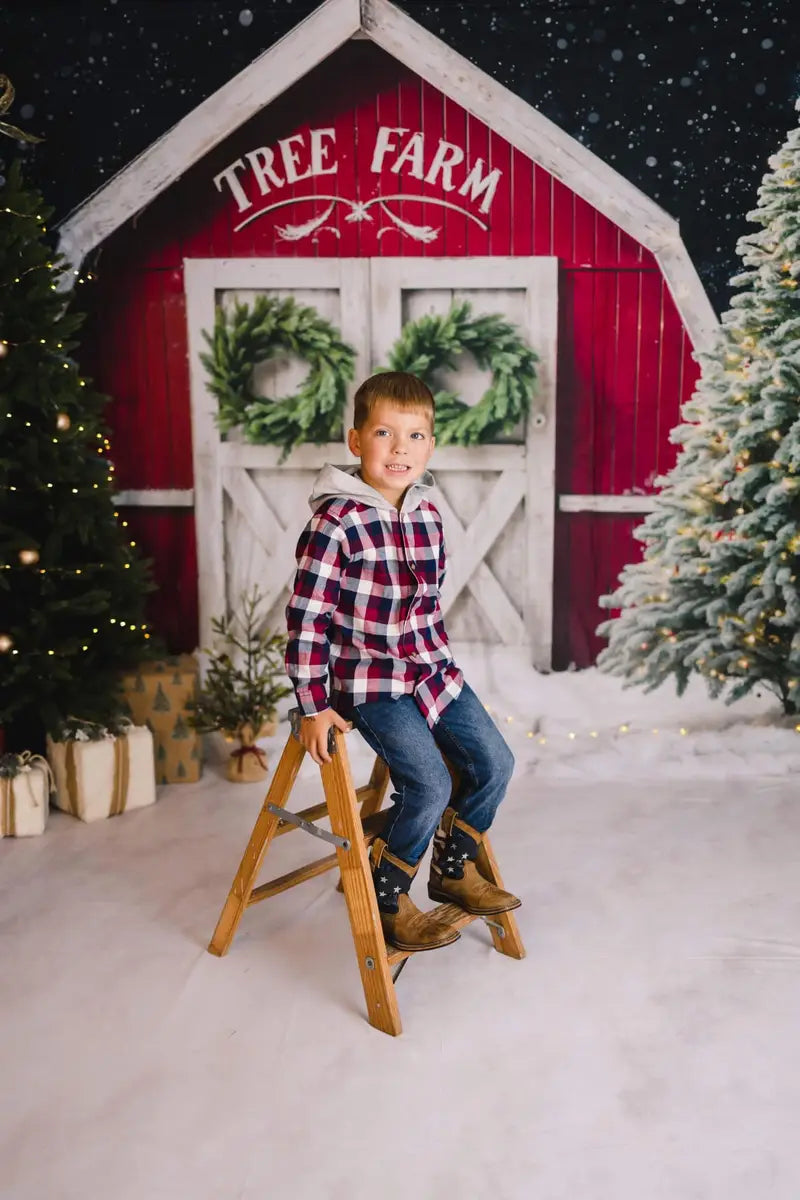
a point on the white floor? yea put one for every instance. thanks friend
(648, 1047)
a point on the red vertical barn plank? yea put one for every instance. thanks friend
(542, 211)
(431, 123)
(606, 243)
(167, 538)
(345, 184)
(366, 184)
(455, 225)
(670, 381)
(647, 380)
(627, 373)
(604, 332)
(563, 222)
(585, 223)
(582, 433)
(157, 232)
(176, 360)
(409, 113)
(222, 217)
(629, 251)
(521, 204)
(478, 240)
(499, 215)
(153, 398)
(569, 385)
(591, 550)
(387, 183)
(128, 440)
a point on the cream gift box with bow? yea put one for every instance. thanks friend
(105, 776)
(25, 785)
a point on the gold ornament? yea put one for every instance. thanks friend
(6, 100)
(63, 421)
(3, 349)
(28, 557)
(5, 643)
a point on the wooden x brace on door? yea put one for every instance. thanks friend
(276, 544)
(467, 549)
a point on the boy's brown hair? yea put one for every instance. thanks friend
(399, 388)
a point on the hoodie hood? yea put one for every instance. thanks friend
(335, 483)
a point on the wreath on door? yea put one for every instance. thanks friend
(248, 335)
(433, 343)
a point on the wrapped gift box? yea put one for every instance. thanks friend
(25, 786)
(105, 777)
(156, 694)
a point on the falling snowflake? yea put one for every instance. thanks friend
(246, 17)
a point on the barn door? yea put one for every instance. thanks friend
(497, 501)
(249, 510)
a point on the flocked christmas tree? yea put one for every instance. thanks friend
(71, 583)
(718, 590)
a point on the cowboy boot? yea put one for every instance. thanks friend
(455, 878)
(403, 924)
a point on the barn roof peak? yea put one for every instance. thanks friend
(328, 27)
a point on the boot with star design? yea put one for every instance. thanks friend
(455, 878)
(402, 922)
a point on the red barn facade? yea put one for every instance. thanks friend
(363, 157)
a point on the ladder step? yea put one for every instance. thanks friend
(371, 826)
(309, 871)
(454, 916)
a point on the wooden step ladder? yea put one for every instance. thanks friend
(352, 831)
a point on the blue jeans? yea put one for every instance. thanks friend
(466, 734)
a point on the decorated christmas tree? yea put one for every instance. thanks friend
(71, 583)
(717, 592)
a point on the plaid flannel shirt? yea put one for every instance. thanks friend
(364, 614)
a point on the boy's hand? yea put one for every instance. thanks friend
(314, 733)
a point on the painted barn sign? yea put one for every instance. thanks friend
(331, 170)
(401, 152)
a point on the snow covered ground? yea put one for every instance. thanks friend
(647, 1047)
(585, 725)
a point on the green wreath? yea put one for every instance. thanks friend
(250, 335)
(433, 343)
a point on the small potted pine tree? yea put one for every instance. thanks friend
(243, 684)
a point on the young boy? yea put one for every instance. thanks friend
(365, 614)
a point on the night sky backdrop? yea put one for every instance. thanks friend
(686, 98)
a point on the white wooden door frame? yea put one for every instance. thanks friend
(215, 459)
(528, 469)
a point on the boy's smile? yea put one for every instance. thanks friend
(394, 445)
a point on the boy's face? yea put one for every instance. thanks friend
(394, 446)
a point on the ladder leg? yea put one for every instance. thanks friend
(508, 942)
(378, 785)
(262, 835)
(362, 907)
